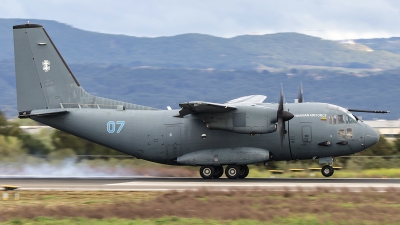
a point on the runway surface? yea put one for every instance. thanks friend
(167, 184)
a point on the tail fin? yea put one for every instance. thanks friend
(44, 80)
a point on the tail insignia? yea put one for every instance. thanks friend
(46, 65)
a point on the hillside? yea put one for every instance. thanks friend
(179, 68)
(168, 87)
(382, 44)
(198, 51)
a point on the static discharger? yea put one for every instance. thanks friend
(10, 190)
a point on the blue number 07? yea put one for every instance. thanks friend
(121, 123)
(111, 126)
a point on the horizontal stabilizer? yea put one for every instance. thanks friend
(43, 112)
(203, 107)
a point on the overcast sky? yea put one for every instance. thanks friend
(329, 19)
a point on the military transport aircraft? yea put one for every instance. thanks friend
(235, 134)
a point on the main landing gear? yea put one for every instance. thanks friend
(231, 171)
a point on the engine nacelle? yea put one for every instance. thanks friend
(225, 156)
(245, 120)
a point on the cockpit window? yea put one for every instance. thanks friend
(332, 119)
(342, 119)
(351, 118)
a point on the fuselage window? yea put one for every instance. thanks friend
(341, 119)
(351, 119)
(341, 134)
(349, 133)
(332, 119)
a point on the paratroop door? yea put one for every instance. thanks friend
(306, 134)
(173, 136)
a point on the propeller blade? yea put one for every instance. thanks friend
(300, 94)
(282, 116)
(281, 97)
(281, 130)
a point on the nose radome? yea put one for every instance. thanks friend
(371, 137)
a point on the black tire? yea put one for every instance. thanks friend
(327, 171)
(207, 172)
(244, 171)
(218, 171)
(232, 171)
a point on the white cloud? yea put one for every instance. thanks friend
(330, 19)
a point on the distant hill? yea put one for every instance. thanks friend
(382, 44)
(198, 51)
(168, 87)
(166, 71)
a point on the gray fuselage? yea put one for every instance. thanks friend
(158, 136)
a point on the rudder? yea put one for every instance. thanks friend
(43, 78)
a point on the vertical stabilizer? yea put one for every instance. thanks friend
(44, 80)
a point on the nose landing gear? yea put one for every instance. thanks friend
(327, 170)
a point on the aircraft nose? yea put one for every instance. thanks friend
(371, 137)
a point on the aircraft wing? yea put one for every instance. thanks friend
(203, 107)
(249, 99)
(209, 107)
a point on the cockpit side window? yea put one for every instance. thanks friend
(341, 119)
(332, 119)
(351, 119)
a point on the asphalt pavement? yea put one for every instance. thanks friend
(180, 184)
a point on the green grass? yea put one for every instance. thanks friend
(370, 173)
(205, 207)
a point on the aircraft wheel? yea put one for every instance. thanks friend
(218, 171)
(244, 171)
(232, 171)
(327, 171)
(207, 172)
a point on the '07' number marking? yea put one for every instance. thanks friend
(111, 126)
